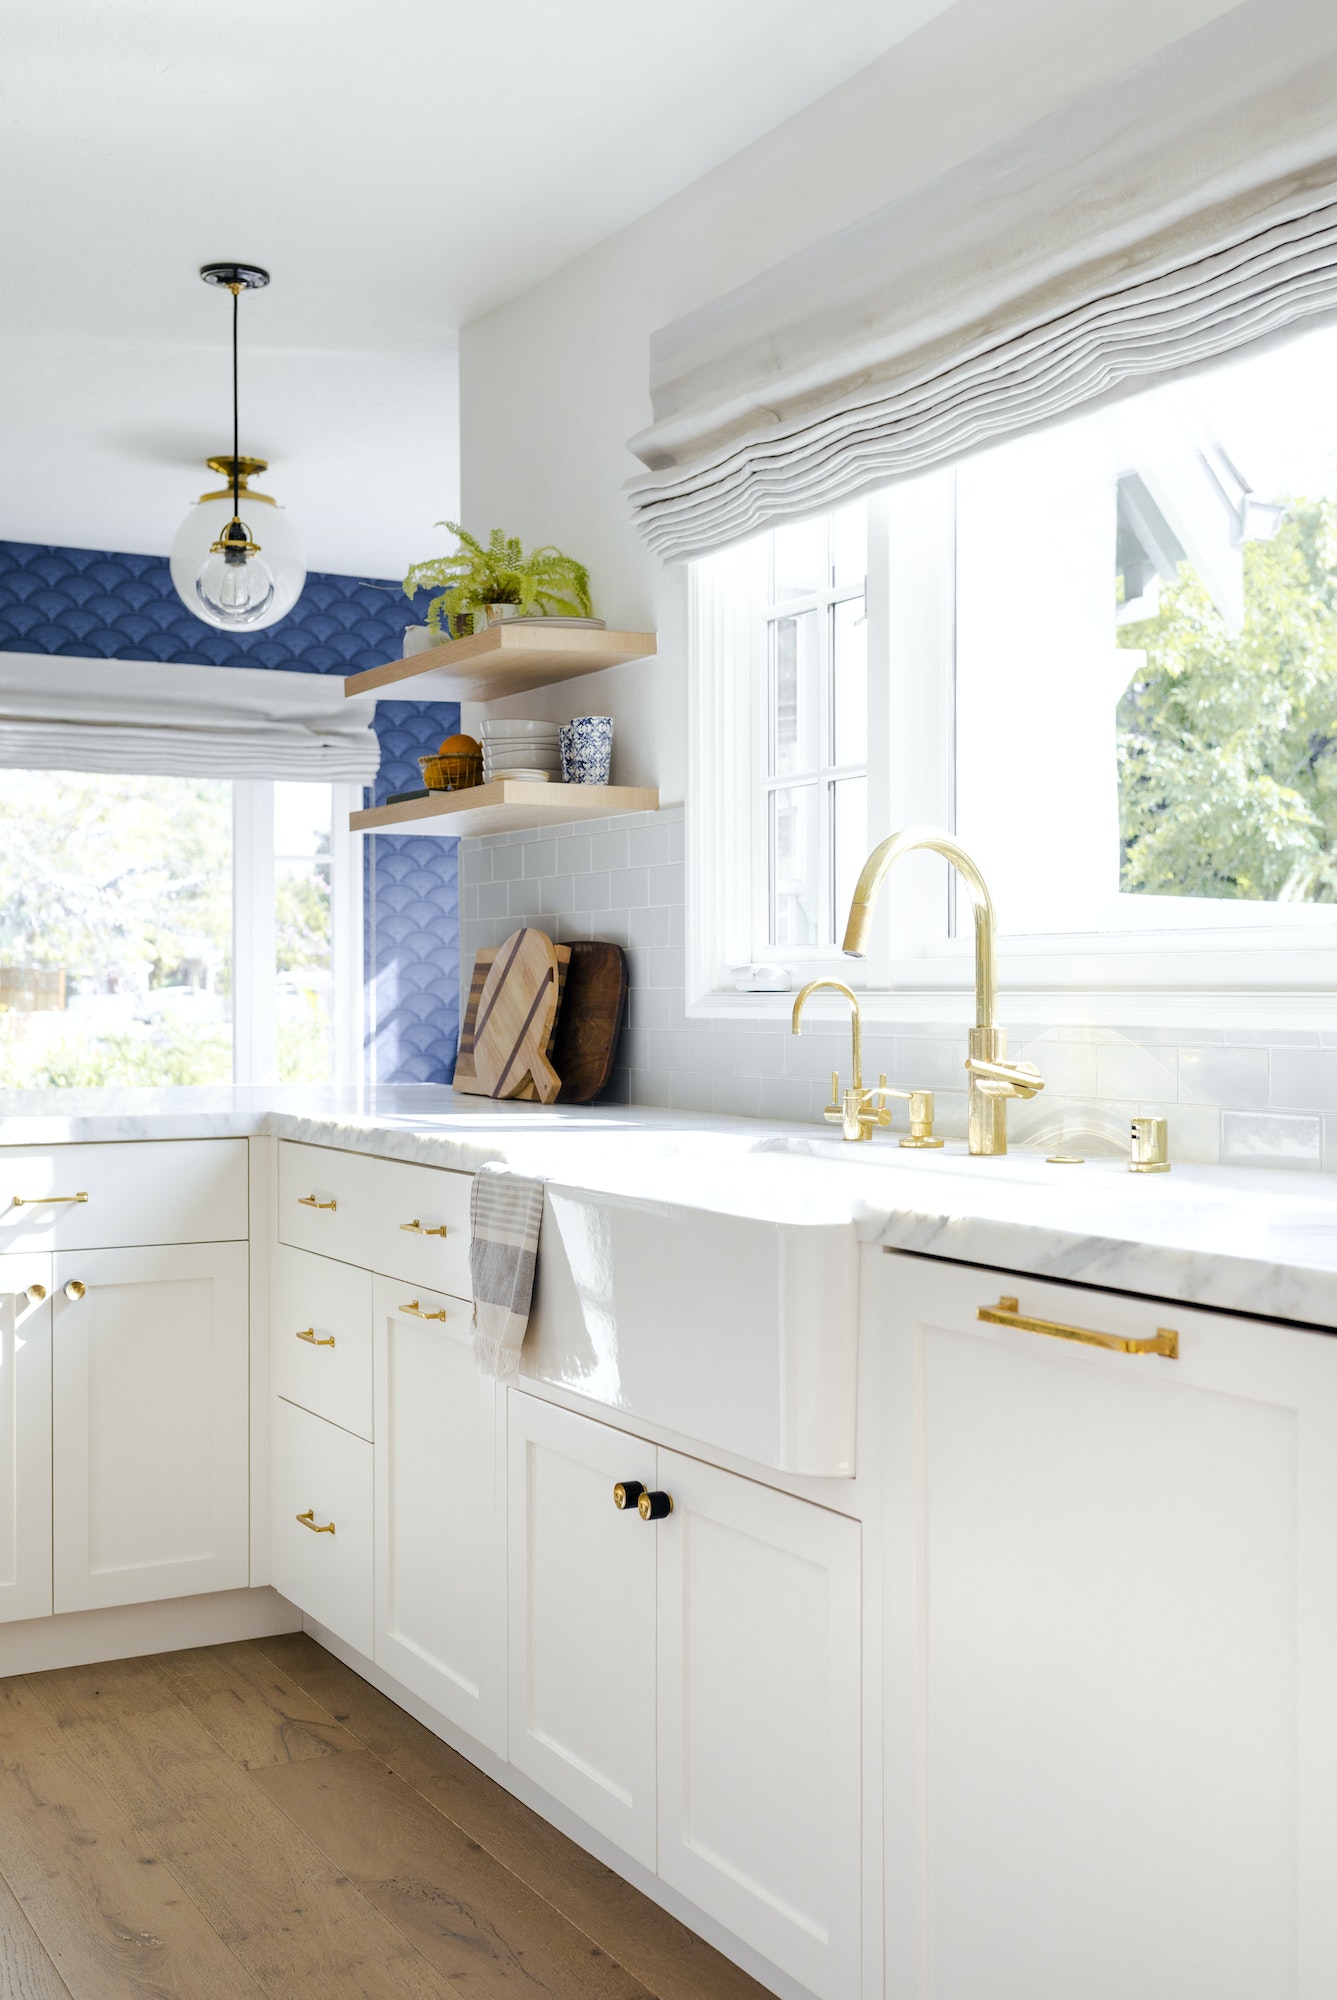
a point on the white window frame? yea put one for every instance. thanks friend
(254, 970)
(1274, 975)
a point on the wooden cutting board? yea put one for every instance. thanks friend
(516, 1011)
(466, 1077)
(589, 1020)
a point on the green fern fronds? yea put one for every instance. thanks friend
(543, 583)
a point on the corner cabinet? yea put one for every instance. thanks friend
(1110, 1649)
(690, 1685)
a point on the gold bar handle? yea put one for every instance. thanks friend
(308, 1520)
(1006, 1313)
(44, 1200)
(415, 1228)
(415, 1311)
(309, 1201)
(308, 1333)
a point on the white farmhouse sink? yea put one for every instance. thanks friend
(730, 1317)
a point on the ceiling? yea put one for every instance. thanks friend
(399, 168)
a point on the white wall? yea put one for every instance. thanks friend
(553, 383)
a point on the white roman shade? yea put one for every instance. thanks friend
(1184, 211)
(137, 716)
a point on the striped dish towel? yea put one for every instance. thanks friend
(505, 1211)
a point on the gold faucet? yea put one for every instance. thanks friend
(992, 1078)
(854, 1109)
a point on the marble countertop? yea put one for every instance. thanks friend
(1260, 1241)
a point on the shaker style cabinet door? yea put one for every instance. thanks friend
(150, 1426)
(582, 1620)
(25, 1438)
(1111, 1647)
(759, 1719)
(440, 1511)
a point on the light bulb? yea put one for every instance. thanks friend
(235, 583)
(200, 575)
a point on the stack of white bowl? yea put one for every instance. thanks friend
(521, 750)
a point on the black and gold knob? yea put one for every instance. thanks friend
(654, 1506)
(627, 1494)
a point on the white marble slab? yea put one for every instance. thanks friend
(1254, 1240)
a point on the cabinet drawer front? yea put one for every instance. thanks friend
(321, 1480)
(320, 1338)
(410, 1205)
(106, 1197)
(325, 1201)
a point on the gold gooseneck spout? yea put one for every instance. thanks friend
(992, 1078)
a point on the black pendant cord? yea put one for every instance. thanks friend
(236, 488)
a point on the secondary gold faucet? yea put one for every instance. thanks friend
(992, 1078)
(854, 1110)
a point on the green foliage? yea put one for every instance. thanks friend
(169, 1050)
(544, 582)
(1228, 744)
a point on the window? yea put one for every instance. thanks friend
(1105, 655)
(160, 930)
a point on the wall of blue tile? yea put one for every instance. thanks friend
(104, 604)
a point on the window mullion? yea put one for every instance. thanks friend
(254, 1026)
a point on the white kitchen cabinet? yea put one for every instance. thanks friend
(440, 1564)
(691, 1686)
(759, 1723)
(324, 1201)
(25, 1437)
(150, 1427)
(1111, 1649)
(582, 1620)
(321, 1535)
(144, 1191)
(320, 1337)
(420, 1225)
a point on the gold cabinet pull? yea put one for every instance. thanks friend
(655, 1506)
(35, 1294)
(415, 1228)
(75, 1290)
(308, 1520)
(309, 1201)
(415, 1311)
(44, 1200)
(308, 1334)
(1006, 1313)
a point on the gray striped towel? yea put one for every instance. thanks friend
(505, 1211)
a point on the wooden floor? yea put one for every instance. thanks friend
(254, 1819)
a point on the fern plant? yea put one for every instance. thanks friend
(544, 582)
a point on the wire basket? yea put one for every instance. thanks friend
(453, 773)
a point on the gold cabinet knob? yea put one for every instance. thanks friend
(36, 1293)
(627, 1494)
(75, 1290)
(654, 1506)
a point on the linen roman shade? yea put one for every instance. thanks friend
(59, 714)
(1181, 212)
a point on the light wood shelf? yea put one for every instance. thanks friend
(504, 806)
(510, 658)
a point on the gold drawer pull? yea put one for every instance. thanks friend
(308, 1520)
(308, 1333)
(1165, 1340)
(416, 1312)
(44, 1200)
(415, 1228)
(35, 1294)
(309, 1201)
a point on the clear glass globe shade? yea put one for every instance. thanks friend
(279, 554)
(233, 592)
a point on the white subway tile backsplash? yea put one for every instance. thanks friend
(1249, 1096)
(1270, 1139)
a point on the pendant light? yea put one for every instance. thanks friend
(238, 571)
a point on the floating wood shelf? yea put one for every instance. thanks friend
(510, 658)
(504, 807)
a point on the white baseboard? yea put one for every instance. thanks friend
(84, 1638)
(564, 1820)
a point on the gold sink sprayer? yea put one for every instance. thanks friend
(992, 1078)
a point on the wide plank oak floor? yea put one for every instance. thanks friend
(256, 1822)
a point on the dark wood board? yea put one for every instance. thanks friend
(589, 1020)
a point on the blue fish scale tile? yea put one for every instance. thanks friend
(106, 604)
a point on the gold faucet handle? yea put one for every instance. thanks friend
(1005, 1079)
(834, 1113)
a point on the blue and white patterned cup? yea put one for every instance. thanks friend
(587, 749)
